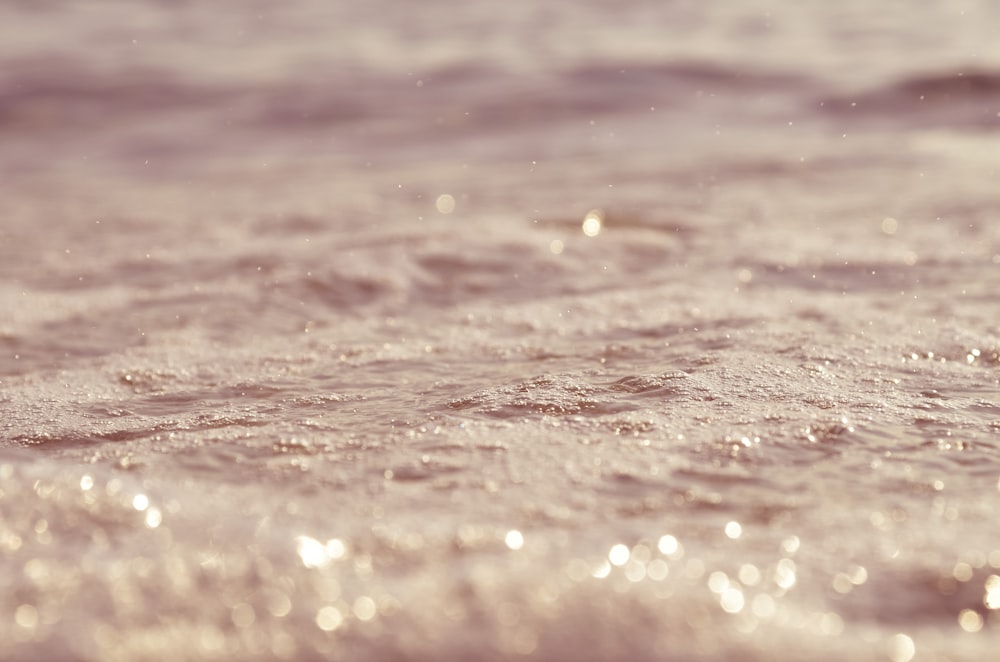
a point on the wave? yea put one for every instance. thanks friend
(53, 93)
(56, 93)
(969, 98)
(568, 395)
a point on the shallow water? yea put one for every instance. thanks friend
(308, 351)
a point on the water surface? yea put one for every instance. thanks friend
(309, 351)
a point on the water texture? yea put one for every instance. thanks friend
(655, 331)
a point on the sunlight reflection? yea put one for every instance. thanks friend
(857, 574)
(26, 616)
(278, 604)
(718, 582)
(592, 222)
(329, 618)
(734, 530)
(658, 570)
(763, 606)
(731, 600)
(749, 574)
(901, 648)
(316, 554)
(243, 615)
(619, 555)
(970, 621)
(335, 548)
(668, 545)
(784, 574)
(992, 597)
(445, 203)
(140, 502)
(602, 570)
(364, 608)
(635, 571)
(962, 571)
(641, 554)
(153, 518)
(312, 552)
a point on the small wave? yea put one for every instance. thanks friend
(666, 385)
(680, 73)
(593, 89)
(963, 98)
(570, 395)
(859, 276)
(54, 93)
(556, 395)
(949, 87)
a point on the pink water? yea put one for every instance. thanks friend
(307, 351)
